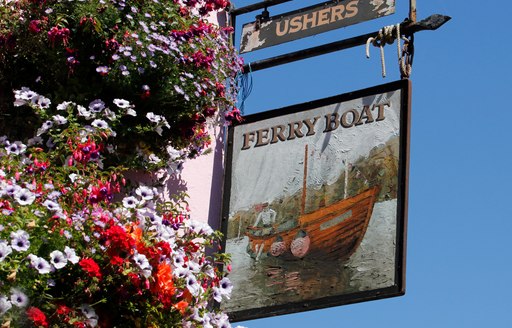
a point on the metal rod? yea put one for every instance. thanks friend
(412, 11)
(431, 23)
(257, 6)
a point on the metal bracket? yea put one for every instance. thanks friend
(407, 28)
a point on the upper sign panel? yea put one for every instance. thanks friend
(311, 21)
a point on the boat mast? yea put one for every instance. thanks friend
(345, 189)
(304, 182)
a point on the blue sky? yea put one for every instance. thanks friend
(458, 253)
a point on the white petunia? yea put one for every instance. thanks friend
(51, 205)
(64, 105)
(58, 259)
(5, 305)
(130, 202)
(40, 264)
(100, 124)
(5, 250)
(24, 196)
(19, 240)
(145, 193)
(59, 119)
(121, 103)
(71, 255)
(18, 298)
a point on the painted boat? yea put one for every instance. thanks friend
(334, 231)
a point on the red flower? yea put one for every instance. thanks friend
(37, 316)
(118, 240)
(91, 267)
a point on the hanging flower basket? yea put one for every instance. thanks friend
(89, 90)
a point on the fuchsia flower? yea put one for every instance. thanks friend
(57, 34)
(35, 26)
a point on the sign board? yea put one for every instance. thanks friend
(311, 21)
(315, 203)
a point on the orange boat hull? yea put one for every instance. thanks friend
(334, 231)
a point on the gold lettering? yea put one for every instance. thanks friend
(323, 16)
(295, 130)
(311, 126)
(331, 122)
(308, 20)
(352, 9)
(366, 113)
(355, 118)
(262, 138)
(278, 135)
(380, 107)
(248, 137)
(282, 32)
(295, 24)
(337, 13)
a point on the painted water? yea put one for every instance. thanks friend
(272, 281)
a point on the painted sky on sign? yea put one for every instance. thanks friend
(459, 261)
(282, 163)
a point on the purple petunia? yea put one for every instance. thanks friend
(15, 148)
(97, 105)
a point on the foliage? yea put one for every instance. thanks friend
(162, 57)
(79, 248)
(119, 85)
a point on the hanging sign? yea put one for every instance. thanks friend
(311, 21)
(315, 203)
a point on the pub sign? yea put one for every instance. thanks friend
(315, 202)
(310, 21)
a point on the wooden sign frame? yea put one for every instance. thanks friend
(315, 203)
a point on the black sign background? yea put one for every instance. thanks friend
(310, 21)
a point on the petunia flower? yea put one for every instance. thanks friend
(121, 103)
(42, 102)
(59, 119)
(5, 250)
(51, 205)
(19, 240)
(18, 298)
(145, 193)
(58, 259)
(24, 196)
(82, 111)
(71, 255)
(97, 105)
(64, 105)
(40, 264)
(5, 305)
(130, 202)
(100, 124)
(15, 148)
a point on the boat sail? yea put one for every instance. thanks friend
(334, 231)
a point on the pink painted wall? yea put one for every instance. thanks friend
(203, 178)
